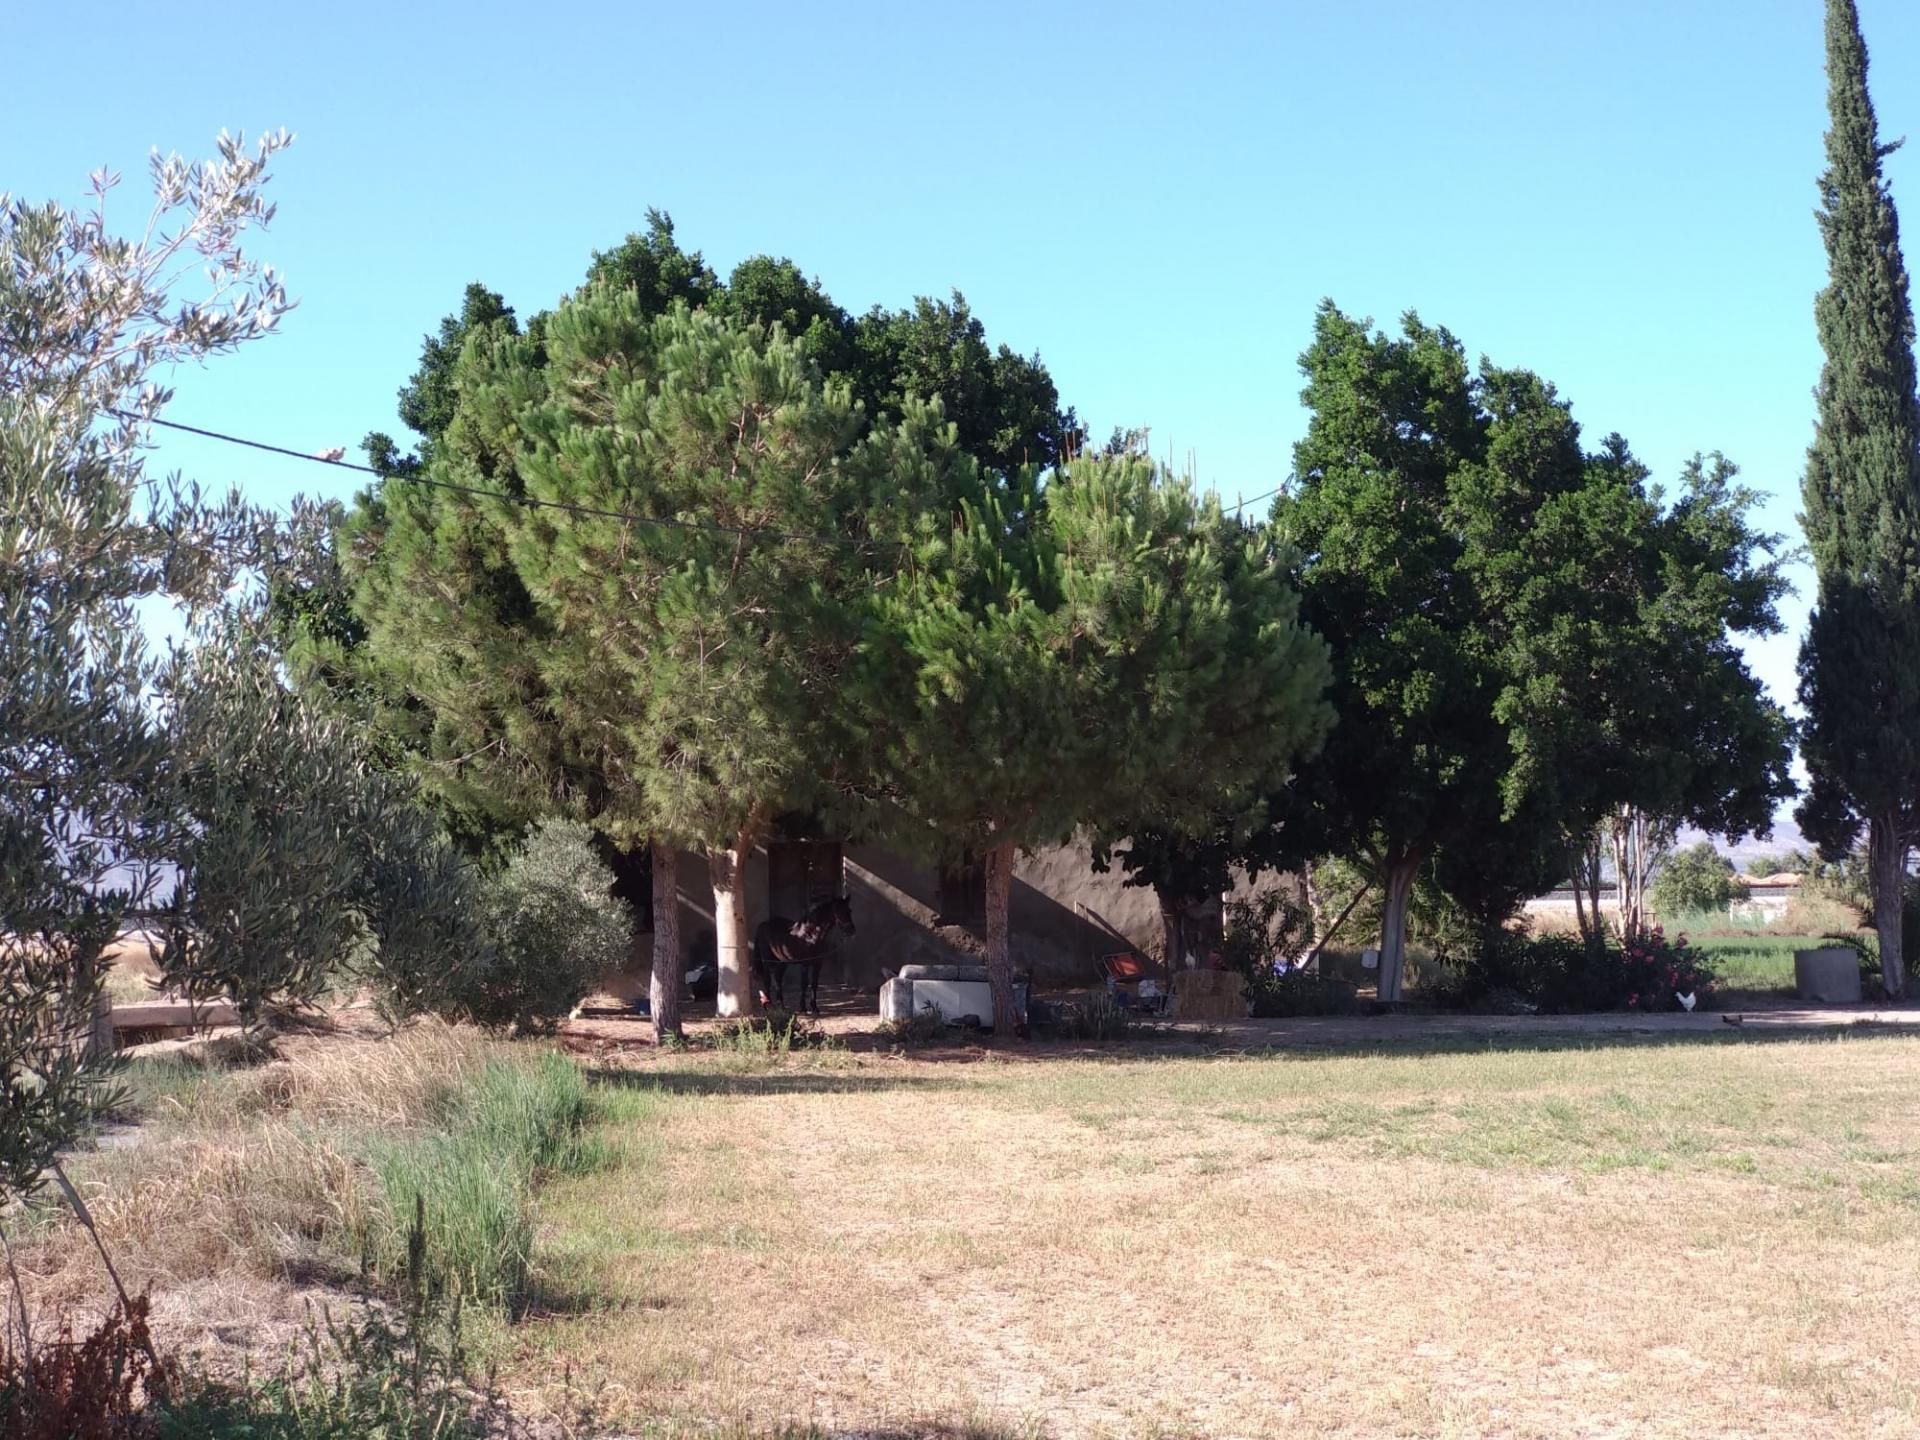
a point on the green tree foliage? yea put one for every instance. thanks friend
(1860, 660)
(1513, 621)
(261, 835)
(554, 929)
(1085, 666)
(1696, 880)
(472, 717)
(670, 680)
(1785, 862)
(87, 322)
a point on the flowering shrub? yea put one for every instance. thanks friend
(1563, 973)
(1653, 971)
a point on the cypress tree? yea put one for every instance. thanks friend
(1860, 662)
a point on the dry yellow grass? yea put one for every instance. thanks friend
(219, 1195)
(1699, 1239)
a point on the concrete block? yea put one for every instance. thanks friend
(956, 999)
(896, 1000)
(172, 1015)
(943, 972)
(1829, 975)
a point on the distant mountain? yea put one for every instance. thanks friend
(1786, 836)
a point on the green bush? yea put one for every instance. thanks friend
(1564, 973)
(1282, 996)
(1698, 878)
(553, 929)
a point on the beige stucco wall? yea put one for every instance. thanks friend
(1063, 917)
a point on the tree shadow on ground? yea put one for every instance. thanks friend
(762, 1082)
(1351, 1042)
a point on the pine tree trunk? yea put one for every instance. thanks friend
(1170, 932)
(731, 932)
(1887, 862)
(664, 990)
(1393, 927)
(998, 864)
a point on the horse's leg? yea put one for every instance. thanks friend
(780, 985)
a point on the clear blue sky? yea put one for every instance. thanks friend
(1617, 195)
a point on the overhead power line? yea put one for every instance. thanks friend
(532, 501)
(333, 462)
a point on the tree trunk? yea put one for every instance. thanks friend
(664, 991)
(1170, 929)
(998, 864)
(1887, 862)
(1393, 927)
(732, 935)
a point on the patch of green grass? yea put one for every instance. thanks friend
(510, 1127)
(1754, 963)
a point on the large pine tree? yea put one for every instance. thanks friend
(1860, 662)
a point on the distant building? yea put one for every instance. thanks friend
(1765, 898)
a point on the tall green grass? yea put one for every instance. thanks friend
(474, 1176)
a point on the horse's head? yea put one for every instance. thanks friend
(835, 914)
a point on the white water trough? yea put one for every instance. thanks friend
(953, 992)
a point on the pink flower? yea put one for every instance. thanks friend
(1633, 1002)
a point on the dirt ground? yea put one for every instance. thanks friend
(1704, 1232)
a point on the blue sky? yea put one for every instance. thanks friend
(1617, 195)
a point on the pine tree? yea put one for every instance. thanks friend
(1860, 662)
(1104, 650)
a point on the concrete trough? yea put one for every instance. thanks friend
(1829, 975)
(953, 992)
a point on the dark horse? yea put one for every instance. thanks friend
(780, 942)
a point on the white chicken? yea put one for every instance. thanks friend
(1686, 1001)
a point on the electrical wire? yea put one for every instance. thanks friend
(534, 501)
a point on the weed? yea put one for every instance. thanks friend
(475, 1177)
(772, 1036)
(397, 1376)
(925, 1027)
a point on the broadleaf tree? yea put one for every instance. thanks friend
(1520, 628)
(89, 323)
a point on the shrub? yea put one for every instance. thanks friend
(1561, 972)
(925, 1027)
(553, 928)
(1280, 996)
(768, 1037)
(68, 1389)
(1699, 878)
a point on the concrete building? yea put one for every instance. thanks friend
(1064, 915)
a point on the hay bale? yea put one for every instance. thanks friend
(1209, 995)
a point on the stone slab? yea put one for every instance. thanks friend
(172, 1015)
(943, 972)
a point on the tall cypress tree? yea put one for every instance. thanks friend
(1860, 662)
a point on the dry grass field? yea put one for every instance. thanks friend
(1716, 1236)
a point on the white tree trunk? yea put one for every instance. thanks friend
(731, 932)
(1393, 927)
(664, 992)
(1887, 864)
(998, 864)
